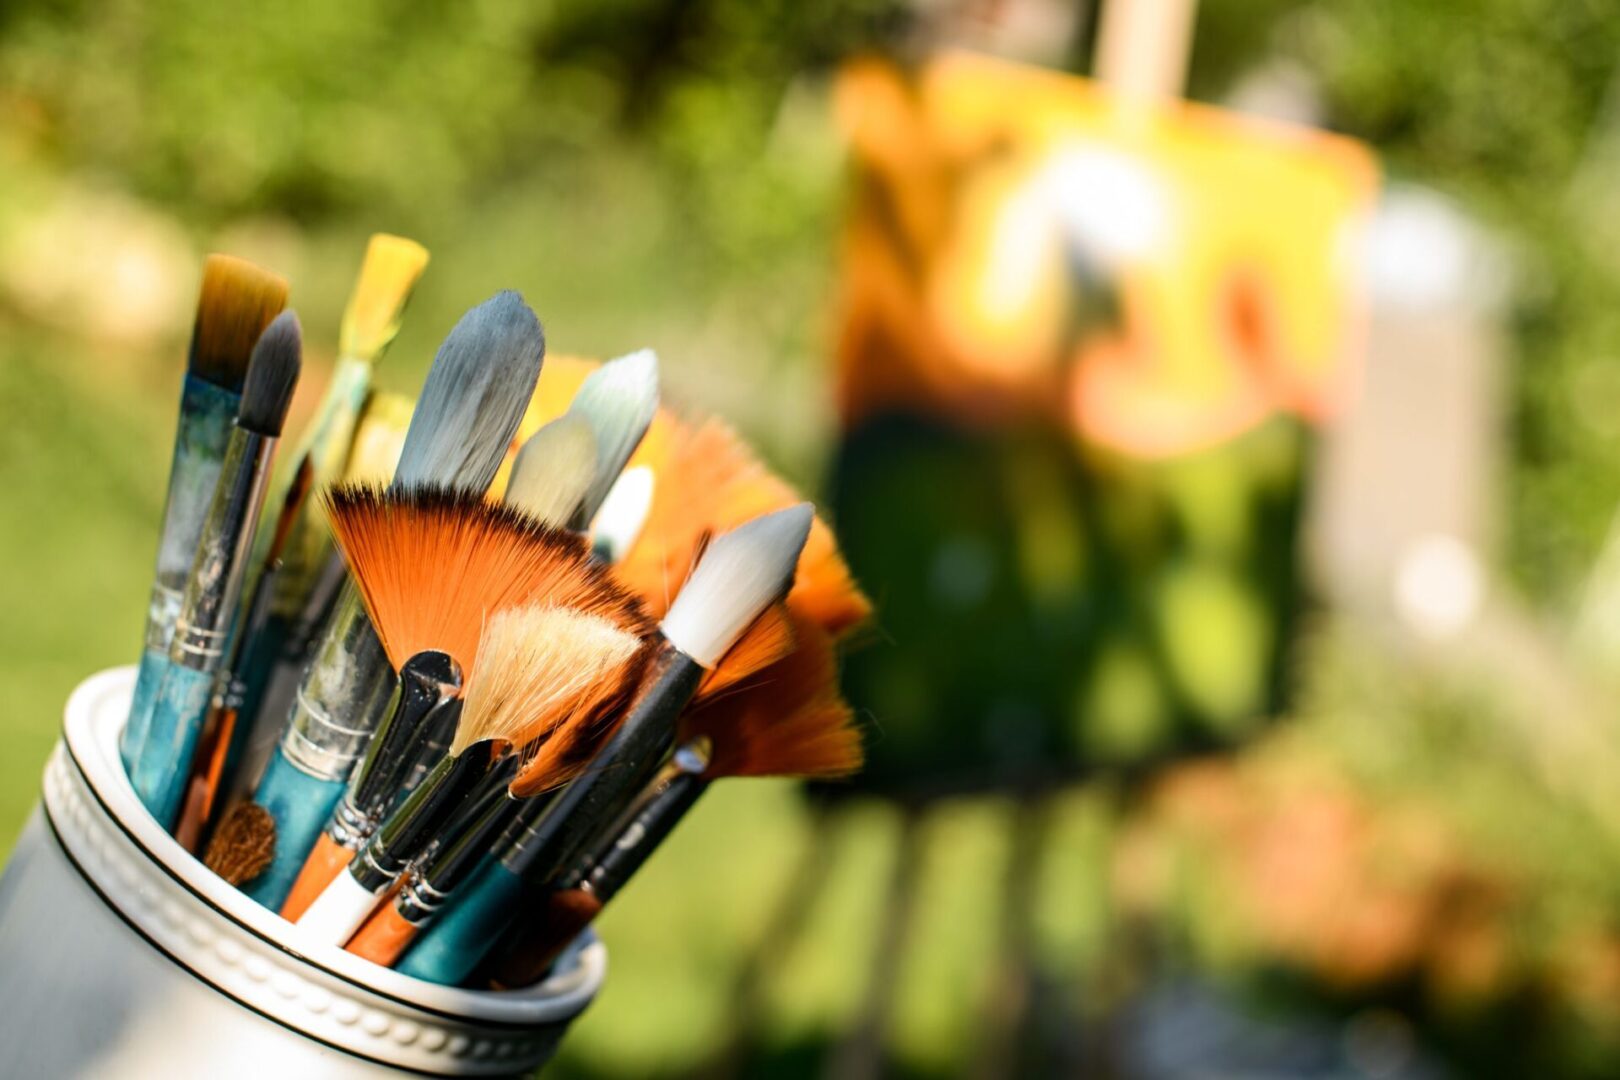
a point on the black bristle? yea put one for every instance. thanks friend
(271, 376)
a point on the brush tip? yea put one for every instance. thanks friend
(619, 399)
(481, 381)
(740, 574)
(624, 511)
(392, 266)
(272, 376)
(553, 470)
(237, 301)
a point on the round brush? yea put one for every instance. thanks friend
(542, 669)
(740, 574)
(463, 424)
(162, 763)
(238, 301)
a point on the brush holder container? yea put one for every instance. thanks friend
(121, 955)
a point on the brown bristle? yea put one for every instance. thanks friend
(238, 301)
(787, 720)
(542, 669)
(243, 845)
(568, 748)
(708, 482)
(768, 640)
(432, 563)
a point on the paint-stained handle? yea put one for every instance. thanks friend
(164, 761)
(154, 662)
(300, 805)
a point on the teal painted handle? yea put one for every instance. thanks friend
(154, 662)
(456, 942)
(163, 764)
(301, 805)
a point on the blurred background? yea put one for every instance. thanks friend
(1247, 571)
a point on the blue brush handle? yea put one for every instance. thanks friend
(163, 765)
(456, 942)
(154, 662)
(300, 805)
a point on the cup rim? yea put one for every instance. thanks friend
(94, 717)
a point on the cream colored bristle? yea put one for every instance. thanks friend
(389, 273)
(553, 471)
(537, 666)
(378, 439)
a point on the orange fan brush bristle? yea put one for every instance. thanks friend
(432, 563)
(786, 720)
(709, 481)
(768, 640)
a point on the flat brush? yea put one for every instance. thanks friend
(739, 576)
(469, 409)
(238, 301)
(554, 471)
(788, 720)
(203, 628)
(544, 668)
(388, 275)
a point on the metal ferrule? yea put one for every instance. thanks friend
(405, 746)
(342, 695)
(410, 829)
(467, 842)
(561, 835)
(203, 629)
(634, 839)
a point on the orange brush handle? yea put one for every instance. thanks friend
(326, 861)
(383, 938)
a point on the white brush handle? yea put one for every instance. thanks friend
(340, 909)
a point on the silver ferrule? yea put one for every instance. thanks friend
(349, 827)
(419, 901)
(203, 629)
(342, 696)
(162, 611)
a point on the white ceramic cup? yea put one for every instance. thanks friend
(122, 955)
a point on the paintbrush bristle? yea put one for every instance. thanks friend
(619, 400)
(272, 376)
(553, 471)
(238, 301)
(709, 480)
(540, 668)
(739, 574)
(432, 563)
(378, 438)
(768, 639)
(474, 396)
(387, 276)
(788, 719)
(243, 845)
(619, 522)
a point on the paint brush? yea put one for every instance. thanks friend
(209, 607)
(741, 574)
(463, 424)
(786, 720)
(618, 400)
(388, 275)
(431, 565)
(220, 747)
(272, 683)
(623, 514)
(542, 669)
(238, 301)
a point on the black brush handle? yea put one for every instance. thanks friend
(428, 682)
(589, 805)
